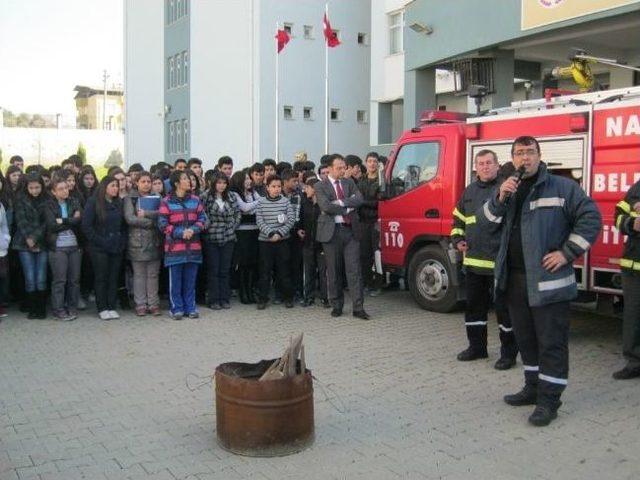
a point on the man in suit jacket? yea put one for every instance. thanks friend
(338, 231)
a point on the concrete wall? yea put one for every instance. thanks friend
(496, 21)
(144, 81)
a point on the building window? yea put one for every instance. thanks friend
(288, 112)
(185, 134)
(288, 27)
(179, 4)
(178, 136)
(185, 70)
(172, 137)
(335, 114)
(178, 61)
(396, 22)
(362, 116)
(307, 113)
(308, 32)
(171, 8)
(172, 80)
(362, 39)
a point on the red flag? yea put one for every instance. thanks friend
(330, 34)
(283, 38)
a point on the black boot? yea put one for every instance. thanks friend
(545, 413)
(243, 287)
(31, 305)
(472, 353)
(251, 297)
(527, 396)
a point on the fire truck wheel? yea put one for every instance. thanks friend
(430, 280)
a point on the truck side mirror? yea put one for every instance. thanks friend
(382, 183)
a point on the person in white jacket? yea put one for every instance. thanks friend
(5, 240)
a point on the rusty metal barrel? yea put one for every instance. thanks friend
(263, 419)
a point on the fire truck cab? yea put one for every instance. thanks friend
(592, 138)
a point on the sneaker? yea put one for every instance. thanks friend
(177, 315)
(375, 293)
(91, 298)
(155, 311)
(62, 317)
(82, 305)
(114, 315)
(288, 304)
(262, 305)
(141, 311)
(73, 314)
(194, 315)
(225, 305)
(215, 306)
(472, 354)
(105, 315)
(325, 303)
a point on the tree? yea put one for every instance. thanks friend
(23, 120)
(8, 118)
(82, 153)
(37, 121)
(115, 159)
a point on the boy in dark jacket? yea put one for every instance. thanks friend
(315, 267)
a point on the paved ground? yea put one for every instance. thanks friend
(97, 400)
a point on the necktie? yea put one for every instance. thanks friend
(340, 195)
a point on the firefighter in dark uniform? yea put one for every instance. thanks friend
(628, 223)
(479, 251)
(545, 222)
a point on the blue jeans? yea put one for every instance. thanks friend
(182, 288)
(218, 258)
(34, 266)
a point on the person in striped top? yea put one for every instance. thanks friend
(181, 218)
(275, 218)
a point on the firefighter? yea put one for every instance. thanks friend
(545, 222)
(479, 250)
(628, 222)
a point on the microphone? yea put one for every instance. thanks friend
(519, 174)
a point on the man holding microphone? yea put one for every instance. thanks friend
(545, 222)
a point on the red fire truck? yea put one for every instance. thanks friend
(593, 138)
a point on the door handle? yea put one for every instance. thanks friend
(432, 213)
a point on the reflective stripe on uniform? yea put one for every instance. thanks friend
(624, 206)
(490, 216)
(473, 324)
(557, 381)
(580, 241)
(546, 202)
(531, 368)
(470, 220)
(456, 213)
(457, 231)
(619, 221)
(556, 284)
(505, 329)
(628, 263)
(476, 262)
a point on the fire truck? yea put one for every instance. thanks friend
(592, 138)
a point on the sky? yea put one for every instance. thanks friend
(47, 47)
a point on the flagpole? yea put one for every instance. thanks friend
(326, 87)
(275, 157)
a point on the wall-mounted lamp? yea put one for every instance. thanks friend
(421, 28)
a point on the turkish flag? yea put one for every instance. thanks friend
(283, 38)
(329, 34)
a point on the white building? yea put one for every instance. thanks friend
(143, 81)
(200, 79)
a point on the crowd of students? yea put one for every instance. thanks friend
(68, 238)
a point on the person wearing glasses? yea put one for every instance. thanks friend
(545, 223)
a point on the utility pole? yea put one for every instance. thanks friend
(104, 100)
